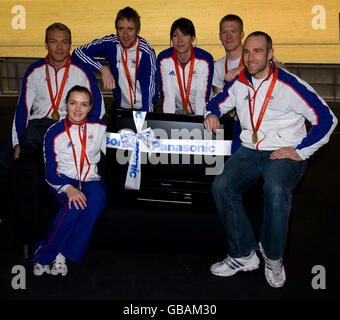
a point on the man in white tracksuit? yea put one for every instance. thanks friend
(229, 66)
(272, 105)
(132, 60)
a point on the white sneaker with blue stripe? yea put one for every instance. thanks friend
(229, 266)
(274, 271)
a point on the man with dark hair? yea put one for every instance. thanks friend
(132, 60)
(129, 14)
(272, 105)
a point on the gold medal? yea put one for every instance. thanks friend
(79, 185)
(185, 111)
(254, 137)
(55, 115)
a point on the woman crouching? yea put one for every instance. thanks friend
(72, 149)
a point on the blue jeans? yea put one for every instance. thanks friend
(241, 171)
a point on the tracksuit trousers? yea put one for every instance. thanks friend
(71, 229)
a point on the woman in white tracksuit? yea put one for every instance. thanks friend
(72, 150)
(184, 72)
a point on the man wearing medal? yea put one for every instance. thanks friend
(44, 87)
(132, 63)
(228, 67)
(184, 72)
(272, 105)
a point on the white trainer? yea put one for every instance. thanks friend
(229, 266)
(40, 269)
(59, 265)
(274, 271)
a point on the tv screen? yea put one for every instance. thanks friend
(166, 176)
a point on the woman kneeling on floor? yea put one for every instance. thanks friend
(72, 150)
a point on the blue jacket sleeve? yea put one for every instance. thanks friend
(25, 102)
(147, 80)
(85, 54)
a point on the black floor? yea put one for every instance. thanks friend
(146, 251)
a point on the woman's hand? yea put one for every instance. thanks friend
(16, 152)
(77, 197)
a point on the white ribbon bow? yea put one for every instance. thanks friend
(132, 140)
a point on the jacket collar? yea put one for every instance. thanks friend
(70, 122)
(246, 78)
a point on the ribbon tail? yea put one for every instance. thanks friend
(133, 176)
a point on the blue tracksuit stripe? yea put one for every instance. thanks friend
(147, 85)
(324, 119)
(22, 113)
(206, 56)
(106, 48)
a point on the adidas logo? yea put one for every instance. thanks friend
(172, 73)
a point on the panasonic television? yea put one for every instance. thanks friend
(165, 176)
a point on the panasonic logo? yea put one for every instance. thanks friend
(157, 146)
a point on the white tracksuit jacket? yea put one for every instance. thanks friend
(200, 86)
(34, 100)
(58, 154)
(110, 49)
(292, 101)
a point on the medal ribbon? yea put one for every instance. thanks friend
(55, 105)
(239, 64)
(83, 149)
(265, 103)
(185, 99)
(128, 76)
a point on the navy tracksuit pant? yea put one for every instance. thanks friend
(71, 229)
